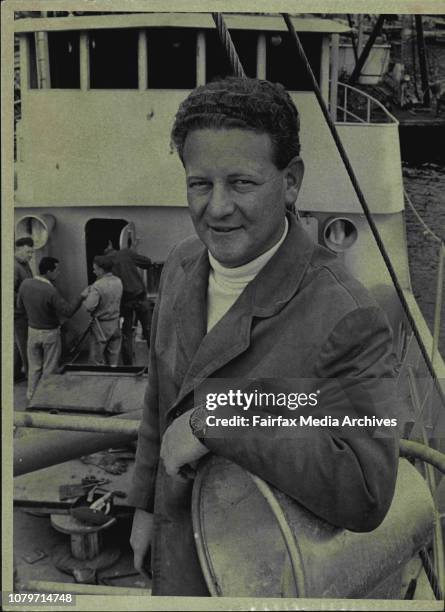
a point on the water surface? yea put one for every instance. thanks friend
(425, 185)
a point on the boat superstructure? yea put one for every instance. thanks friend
(94, 161)
(88, 143)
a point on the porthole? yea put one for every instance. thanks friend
(39, 227)
(339, 234)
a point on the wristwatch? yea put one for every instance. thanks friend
(198, 421)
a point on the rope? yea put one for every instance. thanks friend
(431, 575)
(427, 230)
(362, 201)
(226, 40)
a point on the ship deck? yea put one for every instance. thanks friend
(37, 542)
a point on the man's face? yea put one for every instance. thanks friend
(236, 194)
(24, 253)
(98, 270)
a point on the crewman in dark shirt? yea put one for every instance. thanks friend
(24, 249)
(44, 308)
(135, 306)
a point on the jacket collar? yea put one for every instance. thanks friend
(43, 280)
(272, 287)
(281, 277)
(263, 297)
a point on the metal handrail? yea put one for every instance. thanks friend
(349, 113)
(369, 101)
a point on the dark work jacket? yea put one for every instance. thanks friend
(303, 316)
(22, 271)
(125, 265)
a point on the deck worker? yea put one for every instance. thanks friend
(24, 249)
(45, 310)
(135, 306)
(253, 297)
(102, 301)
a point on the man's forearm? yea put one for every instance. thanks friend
(348, 482)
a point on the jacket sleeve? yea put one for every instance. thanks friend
(140, 260)
(17, 281)
(63, 308)
(92, 299)
(142, 491)
(18, 303)
(347, 480)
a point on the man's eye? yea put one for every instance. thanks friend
(199, 185)
(243, 185)
(243, 182)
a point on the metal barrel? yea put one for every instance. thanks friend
(254, 541)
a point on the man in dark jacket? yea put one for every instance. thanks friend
(254, 298)
(135, 306)
(24, 249)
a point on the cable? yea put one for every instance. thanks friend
(226, 40)
(362, 201)
(430, 573)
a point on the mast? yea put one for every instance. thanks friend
(422, 60)
(368, 46)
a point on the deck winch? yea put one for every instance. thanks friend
(86, 551)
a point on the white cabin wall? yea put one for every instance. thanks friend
(111, 148)
(99, 147)
(158, 230)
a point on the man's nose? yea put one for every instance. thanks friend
(220, 202)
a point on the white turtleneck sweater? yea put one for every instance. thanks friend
(227, 284)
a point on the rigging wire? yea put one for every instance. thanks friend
(238, 70)
(407, 448)
(229, 47)
(362, 201)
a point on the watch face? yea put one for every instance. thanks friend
(198, 421)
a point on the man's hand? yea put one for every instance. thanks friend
(140, 539)
(180, 446)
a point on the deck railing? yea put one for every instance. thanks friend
(356, 106)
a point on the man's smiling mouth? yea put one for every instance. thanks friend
(224, 230)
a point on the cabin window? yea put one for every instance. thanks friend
(98, 232)
(64, 66)
(113, 59)
(171, 54)
(217, 62)
(283, 64)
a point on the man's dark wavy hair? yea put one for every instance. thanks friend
(48, 264)
(249, 104)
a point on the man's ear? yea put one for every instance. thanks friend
(293, 174)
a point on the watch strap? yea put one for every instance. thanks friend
(198, 421)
